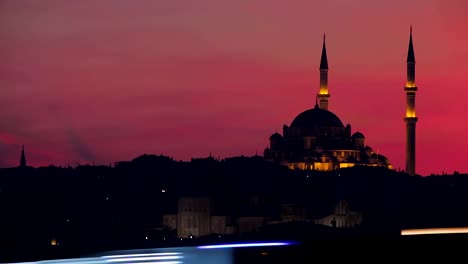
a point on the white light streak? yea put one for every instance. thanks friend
(143, 255)
(163, 262)
(245, 245)
(127, 259)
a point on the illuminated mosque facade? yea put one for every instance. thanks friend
(318, 140)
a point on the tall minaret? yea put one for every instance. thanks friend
(323, 93)
(410, 117)
(23, 158)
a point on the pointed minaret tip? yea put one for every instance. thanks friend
(410, 57)
(323, 59)
(23, 157)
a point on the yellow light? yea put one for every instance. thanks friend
(410, 84)
(54, 242)
(323, 91)
(323, 166)
(410, 113)
(435, 231)
(347, 165)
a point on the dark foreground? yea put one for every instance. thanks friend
(378, 249)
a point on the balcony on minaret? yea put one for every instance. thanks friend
(411, 89)
(410, 113)
(323, 91)
(411, 84)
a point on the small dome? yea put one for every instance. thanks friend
(358, 135)
(367, 148)
(316, 117)
(383, 159)
(276, 136)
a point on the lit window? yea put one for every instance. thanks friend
(54, 242)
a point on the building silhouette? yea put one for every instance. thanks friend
(23, 158)
(410, 117)
(318, 140)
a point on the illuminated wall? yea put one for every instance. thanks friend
(193, 218)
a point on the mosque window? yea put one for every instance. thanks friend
(342, 154)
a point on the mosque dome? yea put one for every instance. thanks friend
(276, 136)
(316, 117)
(358, 135)
(383, 159)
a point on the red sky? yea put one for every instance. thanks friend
(108, 80)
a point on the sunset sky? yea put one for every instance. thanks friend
(108, 80)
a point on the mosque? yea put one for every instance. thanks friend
(318, 140)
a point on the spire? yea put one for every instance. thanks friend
(410, 48)
(316, 101)
(23, 158)
(410, 115)
(323, 94)
(323, 60)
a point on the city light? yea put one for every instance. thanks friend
(435, 231)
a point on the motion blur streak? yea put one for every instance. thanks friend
(245, 245)
(163, 262)
(88, 261)
(434, 231)
(142, 255)
(127, 259)
(65, 261)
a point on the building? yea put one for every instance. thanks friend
(410, 116)
(194, 219)
(318, 140)
(342, 217)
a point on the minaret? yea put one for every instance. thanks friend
(410, 117)
(323, 93)
(23, 158)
